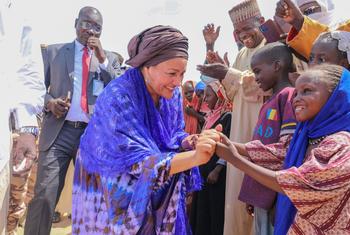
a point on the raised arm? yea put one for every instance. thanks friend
(304, 31)
(210, 35)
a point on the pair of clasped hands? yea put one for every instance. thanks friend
(209, 142)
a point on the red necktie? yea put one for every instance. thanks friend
(85, 78)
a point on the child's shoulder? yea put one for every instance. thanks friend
(286, 94)
(338, 142)
(287, 91)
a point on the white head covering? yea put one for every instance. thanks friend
(343, 39)
(326, 16)
(326, 5)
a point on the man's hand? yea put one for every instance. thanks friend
(214, 57)
(215, 70)
(211, 34)
(24, 152)
(95, 44)
(58, 107)
(290, 13)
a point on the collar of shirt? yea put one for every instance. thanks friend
(80, 47)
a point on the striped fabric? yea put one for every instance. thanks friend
(320, 188)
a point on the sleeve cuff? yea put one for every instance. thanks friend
(303, 40)
(231, 82)
(251, 148)
(25, 117)
(104, 64)
(221, 162)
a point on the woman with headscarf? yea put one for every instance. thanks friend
(208, 208)
(314, 187)
(130, 177)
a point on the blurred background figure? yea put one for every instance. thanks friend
(192, 104)
(21, 98)
(321, 10)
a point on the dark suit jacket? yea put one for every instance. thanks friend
(59, 72)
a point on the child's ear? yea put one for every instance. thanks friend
(277, 65)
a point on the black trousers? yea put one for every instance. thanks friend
(52, 168)
(208, 208)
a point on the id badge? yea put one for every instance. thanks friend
(97, 87)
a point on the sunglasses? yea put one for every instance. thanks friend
(91, 26)
(311, 10)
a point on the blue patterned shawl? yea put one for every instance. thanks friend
(333, 117)
(127, 127)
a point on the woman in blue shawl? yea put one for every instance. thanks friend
(314, 187)
(130, 177)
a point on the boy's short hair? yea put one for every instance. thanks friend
(276, 51)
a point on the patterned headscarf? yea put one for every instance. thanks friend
(222, 104)
(155, 45)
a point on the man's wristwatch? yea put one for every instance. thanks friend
(29, 130)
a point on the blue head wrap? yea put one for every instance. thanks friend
(200, 86)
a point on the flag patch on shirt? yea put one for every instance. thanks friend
(272, 114)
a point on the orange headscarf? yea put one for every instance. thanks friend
(191, 123)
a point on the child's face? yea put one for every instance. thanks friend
(188, 91)
(310, 98)
(325, 52)
(200, 94)
(265, 74)
(210, 97)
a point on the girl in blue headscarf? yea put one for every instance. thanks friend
(314, 187)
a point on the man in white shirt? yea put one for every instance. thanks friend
(22, 94)
(75, 74)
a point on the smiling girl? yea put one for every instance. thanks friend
(314, 188)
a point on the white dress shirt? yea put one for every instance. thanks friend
(75, 112)
(21, 75)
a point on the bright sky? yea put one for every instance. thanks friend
(54, 20)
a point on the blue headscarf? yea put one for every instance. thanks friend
(333, 117)
(200, 86)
